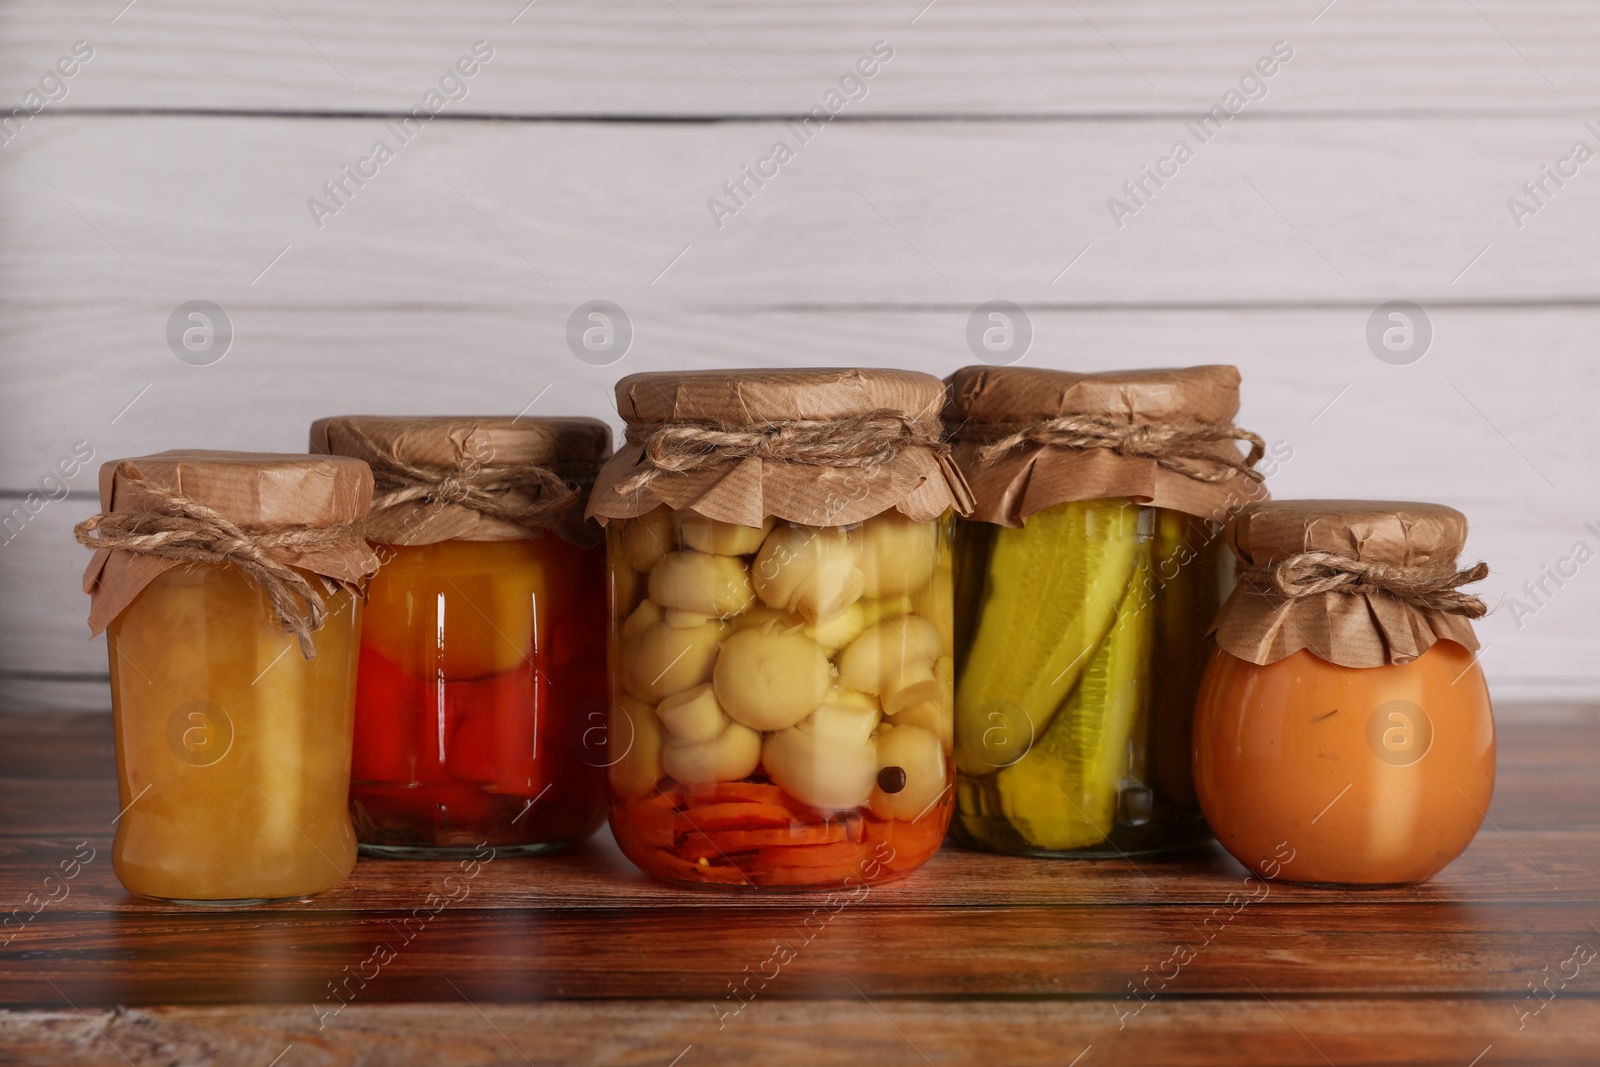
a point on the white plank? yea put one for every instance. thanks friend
(722, 57)
(1503, 401)
(498, 214)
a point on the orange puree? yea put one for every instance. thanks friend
(1371, 776)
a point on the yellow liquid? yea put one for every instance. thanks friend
(233, 751)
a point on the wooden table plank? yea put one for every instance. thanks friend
(1519, 866)
(535, 954)
(1287, 1032)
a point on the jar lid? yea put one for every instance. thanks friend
(822, 447)
(1374, 531)
(472, 478)
(1028, 438)
(1360, 583)
(293, 510)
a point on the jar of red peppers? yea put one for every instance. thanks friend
(483, 646)
(782, 683)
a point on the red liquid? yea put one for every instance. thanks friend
(452, 754)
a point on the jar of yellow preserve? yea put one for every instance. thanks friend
(481, 697)
(1344, 733)
(778, 546)
(228, 585)
(1086, 576)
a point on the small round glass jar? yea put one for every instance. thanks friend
(1345, 737)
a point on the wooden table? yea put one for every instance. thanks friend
(580, 959)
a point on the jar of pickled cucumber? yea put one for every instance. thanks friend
(1085, 580)
(1344, 732)
(481, 696)
(782, 682)
(228, 587)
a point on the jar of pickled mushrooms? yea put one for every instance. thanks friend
(778, 545)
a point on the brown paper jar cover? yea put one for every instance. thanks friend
(1365, 629)
(1035, 476)
(257, 491)
(572, 448)
(920, 482)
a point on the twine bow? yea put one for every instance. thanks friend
(1180, 447)
(542, 496)
(180, 528)
(1433, 588)
(868, 439)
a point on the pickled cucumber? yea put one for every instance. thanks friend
(1050, 595)
(1063, 793)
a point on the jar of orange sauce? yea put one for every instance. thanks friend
(1343, 720)
(229, 588)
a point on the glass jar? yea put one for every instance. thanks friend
(1349, 752)
(1086, 578)
(1082, 643)
(233, 747)
(233, 752)
(480, 664)
(782, 632)
(481, 697)
(782, 698)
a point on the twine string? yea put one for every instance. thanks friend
(1430, 587)
(1185, 447)
(542, 498)
(180, 528)
(867, 439)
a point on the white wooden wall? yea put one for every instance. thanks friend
(178, 164)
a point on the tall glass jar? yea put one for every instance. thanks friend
(1344, 732)
(782, 683)
(232, 736)
(481, 696)
(1085, 581)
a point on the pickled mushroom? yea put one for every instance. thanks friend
(826, 768)
(647, 538)
(839, 630)
(913, 684)
(731, 755)
(663, 660)
(882, 655)
(692, 716)
(760, 615)
(843, 723)
(920, 757)
(810, 570)
(636, 770)
(720, 538)
(718, 586)
(646, 615)
(770, 679)
(930, 715)
(897, 554)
